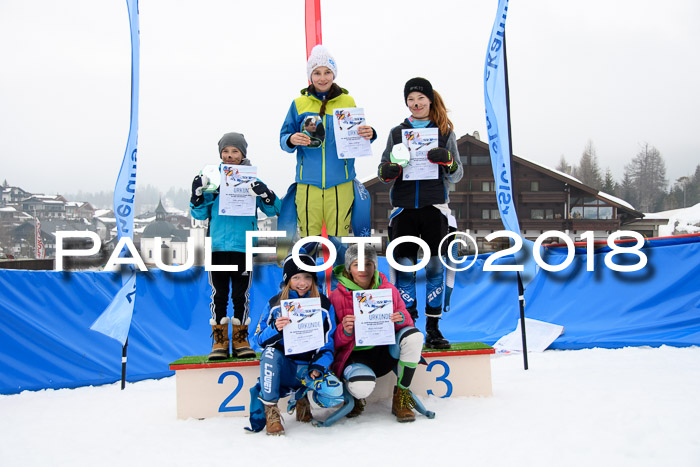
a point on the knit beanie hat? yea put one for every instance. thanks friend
(290, 268)
(320, 56)
(351, 255)
(421, 85)
(236, 140)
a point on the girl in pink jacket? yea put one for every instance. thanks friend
(359, 366)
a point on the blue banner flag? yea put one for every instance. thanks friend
(497, 126)
(495, 81)
(125, 188)
(116, 319)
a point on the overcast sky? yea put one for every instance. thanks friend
(619, 73)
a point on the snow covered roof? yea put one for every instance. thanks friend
(8, 209)
(615, 199)
(366, 179)
(563, 174)
(686, 220)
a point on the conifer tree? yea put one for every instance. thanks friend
(588, 170)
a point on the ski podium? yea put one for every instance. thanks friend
(209, 389)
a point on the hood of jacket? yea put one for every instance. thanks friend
(349, 285)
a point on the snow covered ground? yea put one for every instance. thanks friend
(596, 407)
(682, 221)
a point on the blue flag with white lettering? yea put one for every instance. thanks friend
(115, 321)
(497, 119)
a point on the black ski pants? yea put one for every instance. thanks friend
(236, 282)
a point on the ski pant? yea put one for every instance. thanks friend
(429, 224)
(237, 282)
(279, 375)
(402, 357)
(332, 206)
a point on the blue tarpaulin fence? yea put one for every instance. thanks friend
(45, 340)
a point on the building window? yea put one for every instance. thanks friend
(490, 214)
(549, 213)
(590, 212)
(150, 254)
(488, 186)
(534, 185)
(590, 208)
(536, 214)
(174, 254)
(481, 160)
(453, 187)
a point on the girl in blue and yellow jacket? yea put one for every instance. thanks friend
(228, 248)
(324, 182)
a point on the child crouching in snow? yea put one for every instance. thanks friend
(361, 365)
(281, 374)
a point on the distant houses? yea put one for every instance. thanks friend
(20, 211)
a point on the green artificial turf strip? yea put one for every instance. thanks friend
(461, 346)
(201, 359)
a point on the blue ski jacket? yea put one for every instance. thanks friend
(319, 359)
(228, 232)
(320, 166)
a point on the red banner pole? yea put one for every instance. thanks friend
(313, 38)
(313, 25)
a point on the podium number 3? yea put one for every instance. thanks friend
(224, 407)
(443, 378)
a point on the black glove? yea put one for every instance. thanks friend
(440, 156)
(197, 197)
(389, 171)
(258, 188)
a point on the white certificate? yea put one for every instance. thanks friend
(234, 197)
(419, 141)
(373, 309)
(305, 332)
(348, 143)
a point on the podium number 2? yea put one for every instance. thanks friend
(442, 378)
(224, 407)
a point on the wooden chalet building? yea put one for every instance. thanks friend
(546, 199)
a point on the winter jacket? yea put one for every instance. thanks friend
(341, 298)
(320, 166)
(319, 359)
(228, 232)
(420, 193)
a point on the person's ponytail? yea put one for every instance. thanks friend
(438, 114)
(334, 91)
